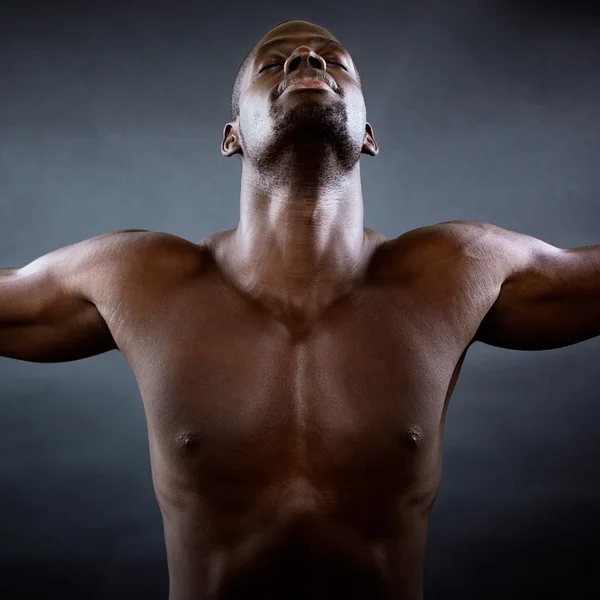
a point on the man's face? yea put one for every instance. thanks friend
(301, 86)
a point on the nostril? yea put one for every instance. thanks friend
(315, 62)
(294, 62)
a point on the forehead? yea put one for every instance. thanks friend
(292, 28)
(294, 34)
(289, 36)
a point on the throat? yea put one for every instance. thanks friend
(298, 299)
(299, 312)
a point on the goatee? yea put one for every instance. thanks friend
(316, 131)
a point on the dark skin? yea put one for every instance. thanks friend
(296, 371)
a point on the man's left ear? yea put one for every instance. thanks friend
(369, 144)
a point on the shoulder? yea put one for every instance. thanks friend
(450, 236)
(136, 248)
(471, 246)
(128, 257)
(442, 242)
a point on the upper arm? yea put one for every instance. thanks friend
(47, 310)
(548, 297)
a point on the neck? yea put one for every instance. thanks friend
(300, 241)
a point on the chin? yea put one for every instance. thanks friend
(312, 112)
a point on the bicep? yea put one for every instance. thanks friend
(549, 296)
(75, 330)
(45, 313)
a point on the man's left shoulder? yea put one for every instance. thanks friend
(458, 249)
(446, 239)
(464, 232)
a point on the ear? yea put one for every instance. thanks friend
(231, 139)
(369, 144)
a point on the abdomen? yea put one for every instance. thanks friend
(305, 555)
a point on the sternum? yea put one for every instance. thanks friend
(300, 409)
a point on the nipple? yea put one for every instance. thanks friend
(189, 441)
(412, 437)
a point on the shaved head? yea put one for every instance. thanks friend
(271, 118)
(237, 86)
(239, 76)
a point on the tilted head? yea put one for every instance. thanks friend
(269, 112)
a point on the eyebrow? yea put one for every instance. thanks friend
(281, 42)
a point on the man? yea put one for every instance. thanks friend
(296, 371)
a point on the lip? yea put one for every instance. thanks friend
(308, 82)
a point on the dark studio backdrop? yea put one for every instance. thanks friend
(111, 117)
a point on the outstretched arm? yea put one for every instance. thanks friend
(46, 310)
(549, 297)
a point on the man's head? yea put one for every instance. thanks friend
(269, 113)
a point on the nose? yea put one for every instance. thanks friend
(303, 57)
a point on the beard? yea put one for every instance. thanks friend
(308, 133)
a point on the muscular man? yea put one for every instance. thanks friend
(296, 371)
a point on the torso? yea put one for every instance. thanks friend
(298, 466)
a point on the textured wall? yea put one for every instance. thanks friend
(112, 117)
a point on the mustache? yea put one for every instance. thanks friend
(302, 74)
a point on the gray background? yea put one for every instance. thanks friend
(111, 117)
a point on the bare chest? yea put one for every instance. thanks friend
(236, 392)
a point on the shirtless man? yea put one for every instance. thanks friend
(295, 371)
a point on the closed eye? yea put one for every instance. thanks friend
(333, 62)
(269, 66)
(337, 63)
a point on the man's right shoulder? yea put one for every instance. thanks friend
(128, 258)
